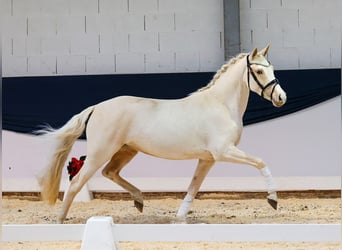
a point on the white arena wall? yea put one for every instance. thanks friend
(68, 37)
(77, 37)
(303, 34)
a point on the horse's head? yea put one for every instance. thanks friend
(260, 78)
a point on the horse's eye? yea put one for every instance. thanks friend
(259, 72)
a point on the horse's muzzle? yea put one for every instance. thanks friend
(279, 100)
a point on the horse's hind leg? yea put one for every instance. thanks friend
(87, 171)
(112, 171)
(201, 172)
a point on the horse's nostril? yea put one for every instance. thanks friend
(280, 99)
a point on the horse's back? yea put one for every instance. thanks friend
(122, 112)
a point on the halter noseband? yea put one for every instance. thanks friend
(275, 81)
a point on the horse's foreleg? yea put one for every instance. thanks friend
(113, 168)
(201, 172)
(238, 156)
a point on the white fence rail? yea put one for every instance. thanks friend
(97, 227)
(181, 232)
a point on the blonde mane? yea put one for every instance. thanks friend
(222, 70)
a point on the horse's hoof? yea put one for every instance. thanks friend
(139, 205)
(273, 203)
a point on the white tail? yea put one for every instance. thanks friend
(64, 139)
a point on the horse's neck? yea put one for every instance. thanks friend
(232, 91)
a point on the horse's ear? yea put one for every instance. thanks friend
(265, 50)
(254, 53)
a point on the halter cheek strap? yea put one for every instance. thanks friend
(274, 82)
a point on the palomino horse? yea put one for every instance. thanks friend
(205, 125)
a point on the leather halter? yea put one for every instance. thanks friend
(274, 82)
